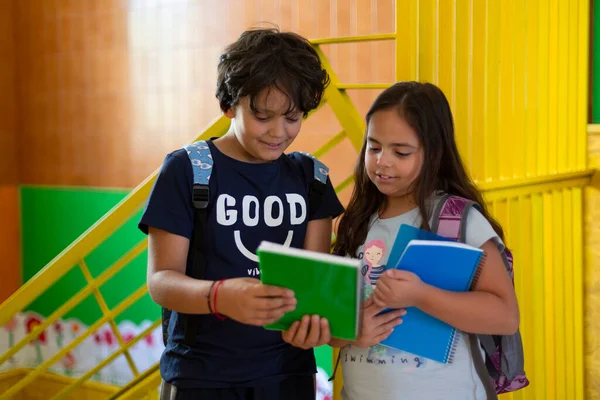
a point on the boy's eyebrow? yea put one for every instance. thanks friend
(267, 111)
(263, 110)
(403, 144)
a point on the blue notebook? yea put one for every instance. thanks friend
(447, 265)
(405, 234)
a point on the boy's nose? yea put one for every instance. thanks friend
(277, 129)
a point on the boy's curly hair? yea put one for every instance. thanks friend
(267, 58)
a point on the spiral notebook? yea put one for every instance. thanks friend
(324, 284)
(447, 265)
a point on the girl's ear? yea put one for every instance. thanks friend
(230, 113)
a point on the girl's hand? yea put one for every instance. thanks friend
(376, 328)
(248, 301)
(308, 333)
(398, 289)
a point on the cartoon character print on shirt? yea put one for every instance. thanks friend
(271, 210)
(374, 253)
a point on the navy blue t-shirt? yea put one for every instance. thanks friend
(248, 203)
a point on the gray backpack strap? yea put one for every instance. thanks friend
(478, 341)
(436, 213)
(481, 369)
(463, 221)
(450, 220)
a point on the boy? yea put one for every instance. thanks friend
(267, 83)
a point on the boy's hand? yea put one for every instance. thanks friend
(398, 289)
(376, 328)
(308, 333)
(248, 301)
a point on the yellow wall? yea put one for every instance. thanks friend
(516, 75)
(592, 276)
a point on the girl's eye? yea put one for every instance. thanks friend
(292, 119)
(261, 117)
(403, 154)
(372, 149)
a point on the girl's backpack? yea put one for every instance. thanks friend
(504, 360)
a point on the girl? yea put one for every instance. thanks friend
(409, 159)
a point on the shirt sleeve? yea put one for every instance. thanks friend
(479, 230)
(328, 205)
(169, 206)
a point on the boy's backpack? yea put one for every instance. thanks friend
(504, 360)
(202, 164)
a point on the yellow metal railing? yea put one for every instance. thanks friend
(73, 256)
(148, 382)
(124, 349)
(515, 75)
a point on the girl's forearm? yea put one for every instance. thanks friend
(472, 312)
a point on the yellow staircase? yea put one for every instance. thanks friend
(521, 127)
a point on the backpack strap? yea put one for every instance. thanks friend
(319, 183)
(450, 220)
(481, 368)
(450, 217)
(318, 187)
(202, 165)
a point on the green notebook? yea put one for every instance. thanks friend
(324, 284)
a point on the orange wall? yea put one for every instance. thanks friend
(10, 243)
(109, 87)
(10, 266)
(8, 109)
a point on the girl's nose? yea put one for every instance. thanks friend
(383, 158)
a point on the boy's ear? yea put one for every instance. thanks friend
(230, 113)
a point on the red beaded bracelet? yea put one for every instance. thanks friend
(215, 300)
(210, 309)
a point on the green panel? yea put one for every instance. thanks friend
(596, 68)
(52, 218)
(324, 356)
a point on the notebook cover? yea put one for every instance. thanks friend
(405, 234)
(446, 265)
(324, 285)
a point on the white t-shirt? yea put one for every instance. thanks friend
(384, 373)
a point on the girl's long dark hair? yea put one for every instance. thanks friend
(425, 108)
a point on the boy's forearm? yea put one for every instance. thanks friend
(472, 312)
(178, 292)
